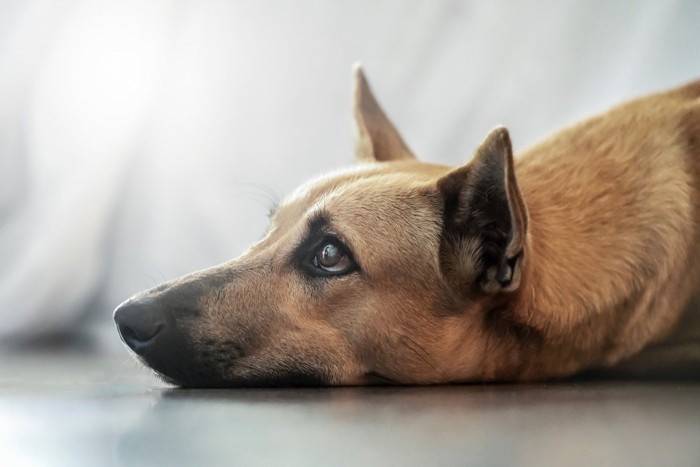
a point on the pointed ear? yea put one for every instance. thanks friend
(377, 139)
(485, 220)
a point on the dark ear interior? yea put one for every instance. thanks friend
(485, 219)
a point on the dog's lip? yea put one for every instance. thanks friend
(181, 380)
(165, 378)
(374, 377)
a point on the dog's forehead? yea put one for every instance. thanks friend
(364, 179)
(324, 183)
(373, 207)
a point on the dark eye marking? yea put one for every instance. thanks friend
(322, 253)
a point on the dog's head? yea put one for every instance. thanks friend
(389, 271)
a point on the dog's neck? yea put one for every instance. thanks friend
(589, 284)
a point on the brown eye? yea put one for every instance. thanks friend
(332, 257)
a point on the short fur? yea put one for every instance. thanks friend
(580, 254)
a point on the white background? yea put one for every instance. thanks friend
(139, 139)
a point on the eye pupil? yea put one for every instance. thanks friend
(330, 258)
(330, 255)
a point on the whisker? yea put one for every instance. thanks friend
(265, 191)
(423, 354)
(262, 200)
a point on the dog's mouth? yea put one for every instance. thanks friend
(191, 376)
(161, 341)
(374, 378)
(157, 340)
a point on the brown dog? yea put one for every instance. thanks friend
(578, 255)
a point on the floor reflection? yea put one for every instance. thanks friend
(628, 423)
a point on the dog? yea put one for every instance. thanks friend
(580, 254)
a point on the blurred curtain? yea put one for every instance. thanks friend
(142, 140)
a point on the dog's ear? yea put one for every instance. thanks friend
(377, 139)
(485, 220)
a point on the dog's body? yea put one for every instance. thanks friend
(579, 255)
(614, 206)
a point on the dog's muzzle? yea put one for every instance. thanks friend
(151, 331)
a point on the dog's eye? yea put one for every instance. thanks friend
(332, 257)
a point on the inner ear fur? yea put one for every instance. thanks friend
(485, 220)
(377, 138)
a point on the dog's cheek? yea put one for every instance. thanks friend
(311, 337)
(396, 335)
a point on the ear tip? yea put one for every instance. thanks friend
(362, 92)
(358, 71)
(500, 131)
(500, 134)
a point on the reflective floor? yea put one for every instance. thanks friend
(67, 409)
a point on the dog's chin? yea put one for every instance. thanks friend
(172, 378)
(269, 381)
(192, 378)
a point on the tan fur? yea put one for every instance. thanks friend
(603, 259)
(614, 231)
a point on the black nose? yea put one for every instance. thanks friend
(140, 323)
(150, 328)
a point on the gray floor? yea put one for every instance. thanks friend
(67, 409)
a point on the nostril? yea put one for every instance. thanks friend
(135, 337)
(139, 324)
(128, 334)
